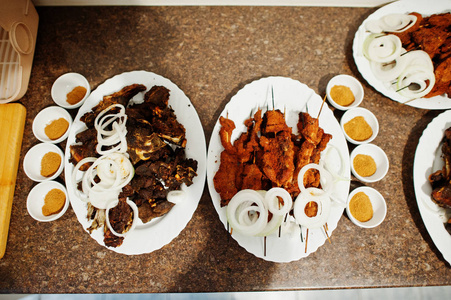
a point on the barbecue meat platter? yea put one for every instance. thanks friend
(141, 128)
(264, 136)
(405, 62)
(431, 181)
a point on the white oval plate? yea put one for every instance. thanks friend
(428, 160)
(423, 7)
(161, 231)
(292, 97)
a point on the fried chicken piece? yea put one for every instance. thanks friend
(253, 178)
(443, 78)
(430, 39)
(316, 155)
(309, 128)
(278, 158)
(225, 178)
(274, 122)
(225, 133)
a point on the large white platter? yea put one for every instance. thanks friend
(423, 7)
(159, 232)
(428, 160)
(292, 97)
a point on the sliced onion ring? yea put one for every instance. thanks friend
(391, 23)
(273, 202)
(113, 204)
(326, 178)
(323, 202)
(383, 49)
(176, 196)
(246, 212)
(418, 76)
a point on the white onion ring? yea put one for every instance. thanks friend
(322, 215)
(417, 75)
(116, 171)
(391, 23)
(273, 203)
(326, 178)
(114, 137)
(383, 49)
(112, 204)
(246, 212)
(176, 196)
(79, 193)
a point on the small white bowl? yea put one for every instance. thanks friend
(45, 117)
(113, 204)
(35, 201)
(65, 84)
(369, 117)
(350, 82)
(33, 158)
(378, 203)
(380, 158)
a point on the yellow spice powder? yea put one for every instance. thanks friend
(360, 207)
(53, 202)
(358, 129)
(56, 128)
(364, 165)
(50, 163)
(342, 95)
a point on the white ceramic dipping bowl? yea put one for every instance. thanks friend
(35, 200)
(65, 84)
(378, 203)
(45, 117)
(350, 82)
(369, 117)
(380, 158)
(33, 158)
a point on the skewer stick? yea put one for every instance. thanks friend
(325, 230)
(321, 108)
(264, 246)
(302, 239)
(272, 96)
(306, 241)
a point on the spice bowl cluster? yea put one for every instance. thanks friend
(365, 206)
(44, 162)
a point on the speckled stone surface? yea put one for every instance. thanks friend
(211, 53)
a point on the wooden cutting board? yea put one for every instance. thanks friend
(12, 123)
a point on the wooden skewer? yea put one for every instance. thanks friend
(264, 246)
(302, 239)
(306, 241)
(321, 108)
(272, 95)
(325, 230)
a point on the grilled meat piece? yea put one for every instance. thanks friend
(121, 97)
(110, 239)
(441, 179)
(226, 176)
(154, 209)
(142, 141)
(121, 216)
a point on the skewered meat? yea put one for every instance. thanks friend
(268, 154)
(433, 35)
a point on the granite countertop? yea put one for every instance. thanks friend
(211, 53)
